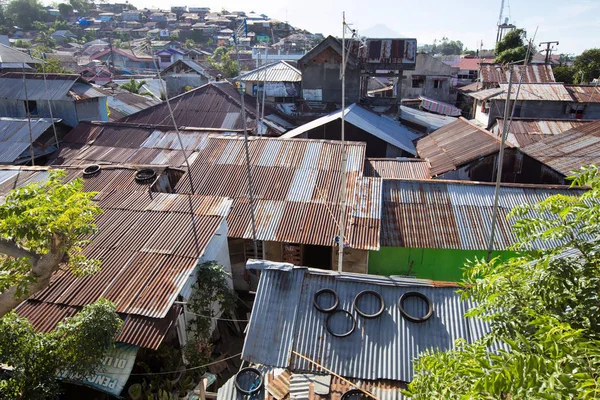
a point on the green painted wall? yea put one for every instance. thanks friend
(436, 264)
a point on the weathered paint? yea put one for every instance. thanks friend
(435, 264)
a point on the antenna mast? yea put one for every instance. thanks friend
(503, 20)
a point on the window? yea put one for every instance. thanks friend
(576, 110)
(436, 84)
(418, 81)
(31, 108)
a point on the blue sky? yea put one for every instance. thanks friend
(574, 23)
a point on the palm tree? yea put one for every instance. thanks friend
(135, 87)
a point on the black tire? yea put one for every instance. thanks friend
(257, 388)
(365, 293)
(410, 317)
(340, 335)
(146, 175)
(91, 170)
(353, 394)
(336, 303)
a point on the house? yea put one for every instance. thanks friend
(66, 59)
(279, 81)
(320, 69)
(535, 100)
(295, 201)
(67, 97)
(430, 228)
(147, 266)
(106, 143)
(126, 60)
(184, 74)
(19, 137)
(122, 103)
(383, 136)
(568, 151)
(468, 69)
(300, 348)
(423, 121)
(12, 60)
(524, 131)
(586, 101)
(168, 56)
(216, 105)
(62, 36)
(431, 78)
(462, 150)
(131, 15)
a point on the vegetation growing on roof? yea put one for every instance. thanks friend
(542, 304)
(512, 48)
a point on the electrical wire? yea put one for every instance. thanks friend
(180, 370)
(217, 318)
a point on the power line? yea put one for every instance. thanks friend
(180, 370)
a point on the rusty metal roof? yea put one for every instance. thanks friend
(584, 93)
(296, 189)
(525, 131)
(397, 168)
(279, 71)
(455, 145)
(570, 150)
(122, 143)
(453, 215)
(536, 92)
(214, 105)
(15, 137)
(533, 73)
(139, 331)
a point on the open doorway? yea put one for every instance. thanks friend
(316, 256)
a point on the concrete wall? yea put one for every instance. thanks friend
(94, 109)
(176, 83)
(64, 109)
(354, 260)
(430, 67)
(323, 72)
(436, 264)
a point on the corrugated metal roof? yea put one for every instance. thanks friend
(456, 144)
(523, 132)
(214, 105)
(119, 143)
(584, 94)
(296, 189)
(279, 71)
(381, 127)
(394, 168)
(10, 55)
(429, 120)
(453, 215)
(54, 88)
(532, 73)
(383, 390)
(570, 150)
(14, 136)
(139, 331)
(485, 94)
(536, 92)
(284, 319)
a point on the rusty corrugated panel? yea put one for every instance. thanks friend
(523, 132)
(533, 73)
(536, 92)
(570, 150)
(584, 94)
(452, 215)
(456, 144)
(392, 168)
(44, 316)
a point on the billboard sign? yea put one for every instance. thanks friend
(386, 53)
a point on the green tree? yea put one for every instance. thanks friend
(448, 47)
(564, 73)
(66, 10)
(53, 66)
(83, 6)
(41, 227)
(135, 87)
(543, 304)
(512, 48)
(221, 59)
(189, 44)
(74, 349)
(25, 12)
(587, 66)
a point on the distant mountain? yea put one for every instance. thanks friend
(380, 31)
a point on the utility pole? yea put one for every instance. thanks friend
(112, 62)
(344, 156)
(548, 50)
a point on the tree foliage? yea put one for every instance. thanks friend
(211, 292)
(587, 66)
(135, 87)
(513, 48)
(543, 305)
(564, 74)
(221, 59)
(25, 12)
(53, 66)
(65, 10)
(74, 349)
(42, 226)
